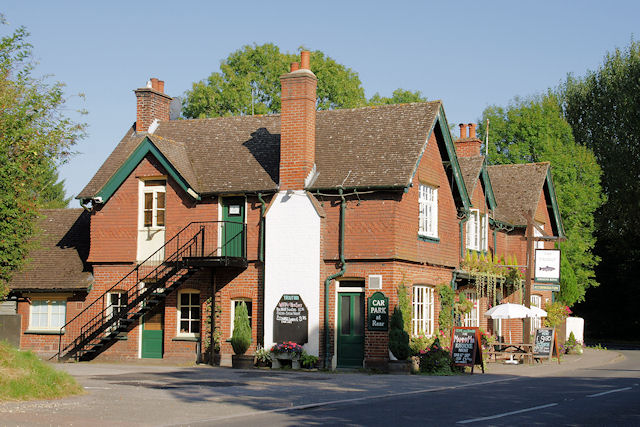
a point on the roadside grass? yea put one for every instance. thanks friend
(23, 376)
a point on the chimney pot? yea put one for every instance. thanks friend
(463, 131)
(151, 104)
(295, 66)
(472, 130)
(154, 83)
(304, 60)
(161, 86)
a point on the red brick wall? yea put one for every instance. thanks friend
(151, 104)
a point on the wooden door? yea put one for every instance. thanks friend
(350, 329)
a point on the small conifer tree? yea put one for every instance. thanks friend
(398, 337)
(241, 337)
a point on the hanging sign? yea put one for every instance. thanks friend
(291, 320)
(547, 268)
(466, 348)
(378, 312)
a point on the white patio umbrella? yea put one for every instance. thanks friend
(509, 311)
(537, 312)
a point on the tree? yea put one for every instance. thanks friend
(35, 136)
(249, 83)
(603, 109)
(399, 96)
(52, 195)
(241, 336)
(534, 130)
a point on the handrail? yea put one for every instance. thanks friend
(94, 323)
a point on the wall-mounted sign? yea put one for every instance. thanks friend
(547, 268)
(378, 312)
(234, 209)
(291, 320)
(546, 287)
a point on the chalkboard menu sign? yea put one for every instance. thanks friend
(545, 343)
(378, 312)
(466, 348)
(291, 320)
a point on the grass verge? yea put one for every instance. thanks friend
(23, 376)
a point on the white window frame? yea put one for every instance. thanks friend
(49, 303)
(422, 309)
(428, 211)
(154, 190)
(110, 306)
(472, 319)
(477, 236)
(233, 312)
(179, 319)
(539, 244)
(536, 322)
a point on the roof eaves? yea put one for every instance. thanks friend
(488, 188)
(554, 203)
(145, 147)
(441, 119)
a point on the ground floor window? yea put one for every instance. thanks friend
(234, 304)
(422, 310)
(472, 318)
(189, 313)
(47, 314)
(536, 322)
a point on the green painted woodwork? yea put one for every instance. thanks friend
(488, 189)
(152, 333)
(233, 226)
(554, 203)
(350, 330)
(145, 147)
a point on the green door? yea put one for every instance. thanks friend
(350, 330)
(233, 226)
(152, 333)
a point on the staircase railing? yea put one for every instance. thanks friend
(102, 320)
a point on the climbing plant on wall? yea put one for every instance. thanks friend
(492, 277)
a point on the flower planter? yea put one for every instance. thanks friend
(241, 361)
(277, 357)
(400, 367)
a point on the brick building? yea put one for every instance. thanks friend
(188, 218)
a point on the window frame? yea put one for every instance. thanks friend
(48, 303)
(154, 190)
(428, 211)
(422, 310)
(179, 310)
(474, 315)
(247, 301)
(110, 306)
(536, 322)
(477, 231)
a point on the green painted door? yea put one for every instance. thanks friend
(350, 330)
(152, 333)
(233, 226)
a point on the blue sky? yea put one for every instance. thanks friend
(469, 54)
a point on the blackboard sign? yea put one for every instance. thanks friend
(545, 343)
(466, 348)
(291, 320)
(378, 312)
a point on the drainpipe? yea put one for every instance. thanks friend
(262, 209)
(328, 280)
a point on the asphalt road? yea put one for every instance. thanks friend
(593, 390)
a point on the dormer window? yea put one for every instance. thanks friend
(428, 201)
(477, 231)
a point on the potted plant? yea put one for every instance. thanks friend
(398, 343)
(241, 338)
(263, 357)
(286, 351)
(308, 361)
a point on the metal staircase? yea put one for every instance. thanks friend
(99, 324)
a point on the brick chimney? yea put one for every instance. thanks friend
(297, 125)
(468, 146)
(153, 104)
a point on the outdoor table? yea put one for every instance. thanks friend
(511, 349)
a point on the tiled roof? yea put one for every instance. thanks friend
(57, 261)
(470, 167)
(363, 147)
(517, 189)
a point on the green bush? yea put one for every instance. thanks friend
(436, 360)
(420, 343)
(308, 361)
(241, 337)
(398, 337)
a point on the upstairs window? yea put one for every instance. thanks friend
(428, 201)
(154, 203)
(478, 231)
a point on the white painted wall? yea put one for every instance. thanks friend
(292, 261)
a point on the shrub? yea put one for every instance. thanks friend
(572, 346)
(436, 360)
(398, 337)
(419, 343)
(308, 361)
(241, 337)
(557, 312)
(263, 355)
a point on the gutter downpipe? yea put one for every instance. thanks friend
(327, 281)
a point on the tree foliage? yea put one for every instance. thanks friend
(256, 70)
(241, 336)
(399, 96)
(35, 136)
(534, 130)
(603, 109)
